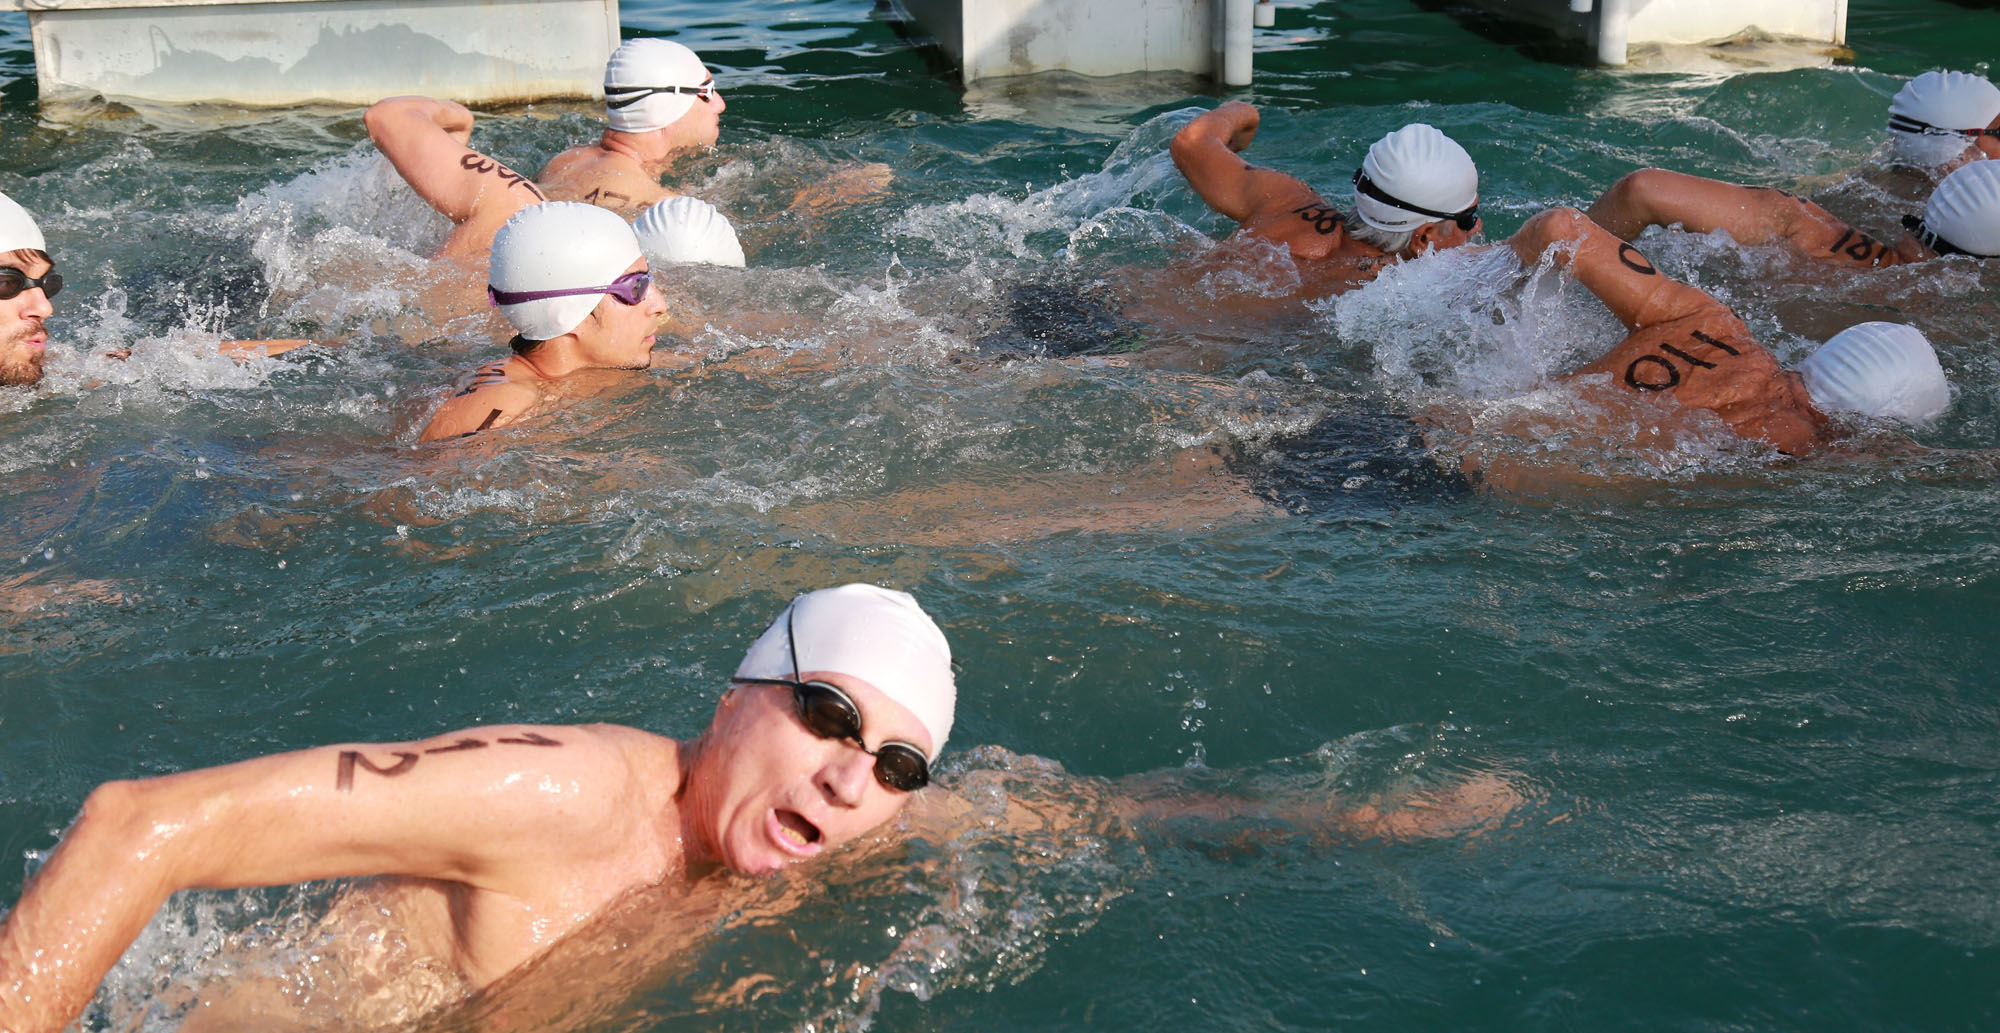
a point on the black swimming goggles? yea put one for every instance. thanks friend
(639, 93)
(629, 289)
(1366, 187)
(828, 713)
(1929, 238)
(1906, 124)
(13, 281)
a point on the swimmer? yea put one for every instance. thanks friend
(1962, 215)
(662, 104)
(491, 844)
(28, 286)
(1416, 191)
(570, 278)
(1688, 348)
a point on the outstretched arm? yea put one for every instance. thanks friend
(1625, 280)
(1750, 215)
(426, 140)
(1205, 150)
(438, 808)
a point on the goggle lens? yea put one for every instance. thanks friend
(829, 714)
(14, 281)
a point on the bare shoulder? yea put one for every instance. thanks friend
(595, 176)
(490, 400)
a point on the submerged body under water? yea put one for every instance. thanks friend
(1172, 512)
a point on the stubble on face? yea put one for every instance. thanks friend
(21, 362)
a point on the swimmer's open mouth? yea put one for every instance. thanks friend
(798, 827)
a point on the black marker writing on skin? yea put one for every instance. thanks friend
(473, 161)
(1865, 249)
(1324, 217)
(608, 198)
(1673, 373)
(1635, 261)
(343, 779)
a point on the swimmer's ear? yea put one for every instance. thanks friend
(1437, 236)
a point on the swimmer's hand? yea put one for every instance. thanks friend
(845, 186)
(268, 348)
(120, 354)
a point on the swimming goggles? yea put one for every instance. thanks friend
(827, 712)
(639, 93)
(629, 289)
(13, 281)
(1906, 124)
(1929, 238)
(1366, 187)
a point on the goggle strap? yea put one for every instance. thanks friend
(1367, 188)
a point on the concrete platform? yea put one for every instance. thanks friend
(282, 53)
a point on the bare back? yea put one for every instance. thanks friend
(1709, 361)
(597, 175)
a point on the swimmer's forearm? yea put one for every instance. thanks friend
(112, 871)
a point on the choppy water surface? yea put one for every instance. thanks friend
(1751, 704)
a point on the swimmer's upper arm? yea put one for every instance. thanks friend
(1205, 151)
(426, 140)
(1622, 278)
(490, 807)
(481, 408)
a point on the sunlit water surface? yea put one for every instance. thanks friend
(1750, 704)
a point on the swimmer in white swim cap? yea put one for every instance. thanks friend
(661, 104)
(570, 278)
(688, 229)
(522, 833)
(1942, 122)
(28, 283)
(1416, 191)
(1686, 347)
(1962, 217)
(1941, 118)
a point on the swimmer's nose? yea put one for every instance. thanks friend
(845, 776)
(39, 304)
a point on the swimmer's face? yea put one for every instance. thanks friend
(701, 126)
(620, 336)
(767, 792)
(24, 338)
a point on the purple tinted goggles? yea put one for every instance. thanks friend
(629, 289)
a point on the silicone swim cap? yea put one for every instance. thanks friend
(1884, 370)
(18, 231)
(555, 246)
(688, 229)
(657, 65)
(1928, 114)
(880, 636)
(1963, 214)
(1423, 168)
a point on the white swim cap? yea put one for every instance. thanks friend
(688, 229)
(880, 636)
(1414, 176)
(1884, 370)
(18, 231)
(640, 83)
(1928, 114)
(557, 246)
(1963, 214)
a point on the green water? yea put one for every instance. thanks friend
(1752, 704)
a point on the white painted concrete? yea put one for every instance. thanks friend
(277, 53)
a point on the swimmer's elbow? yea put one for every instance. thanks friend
(128, 827)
